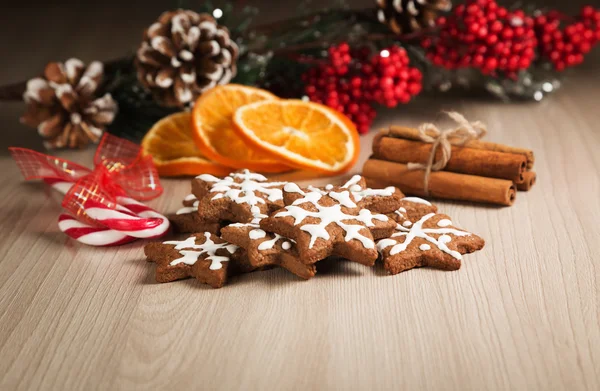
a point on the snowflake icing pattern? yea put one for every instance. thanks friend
(209, 247)
(417, 231)
(329, 215)
(245, 192)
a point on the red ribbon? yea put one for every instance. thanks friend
(120, 169)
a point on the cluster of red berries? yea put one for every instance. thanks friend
(390, 79)
(565, 46)
(352, 81)
(483, 35)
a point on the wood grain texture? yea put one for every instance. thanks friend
(523, 314)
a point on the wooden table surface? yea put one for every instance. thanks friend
(524, 313)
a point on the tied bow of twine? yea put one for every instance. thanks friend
(443, 140)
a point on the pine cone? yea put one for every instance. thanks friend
(64, 107)
(406, 16)
(184, 54)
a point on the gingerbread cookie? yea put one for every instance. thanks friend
(267, 249)
(204, 256)
(241, 197)
(325, 223)
(188, 220)
(429, 241)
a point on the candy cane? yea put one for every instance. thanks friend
(90, 235)
(128, 221)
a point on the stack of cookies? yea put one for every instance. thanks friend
(244, 223)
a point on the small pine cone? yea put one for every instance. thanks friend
(406, 16)
(184, 54)
(63, 104)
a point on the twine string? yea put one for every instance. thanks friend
(444, 139)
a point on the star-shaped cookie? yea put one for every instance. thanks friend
(204, 256)
(431, 240)
(241, 197)
(266, 249)
(325, 223)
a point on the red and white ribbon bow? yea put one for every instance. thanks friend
(101, 203)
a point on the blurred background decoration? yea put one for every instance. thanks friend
(353, 59)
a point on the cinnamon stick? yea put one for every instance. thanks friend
(463, 160)
(442, 184)
(528, 182)
(413, 134)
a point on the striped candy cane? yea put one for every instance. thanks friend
(130, 220)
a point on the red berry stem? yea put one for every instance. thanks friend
(354, 81)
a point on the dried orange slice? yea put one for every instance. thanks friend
(214, 129)
(304, 135)
(173, 150)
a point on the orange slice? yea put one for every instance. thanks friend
(304, 135)
(173, 150)
(214, 129)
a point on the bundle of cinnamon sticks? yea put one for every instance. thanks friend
(478, 171)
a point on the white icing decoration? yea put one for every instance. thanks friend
(417, 200)
(257, 234)
(359, 193)
(188, 209)
(209, 247)
(424, 247)
(328, 215)
(444, 223)
(269, 244)
(352, 181)
(244, 192)
(343, 198)
(417, 231)
(407, 223)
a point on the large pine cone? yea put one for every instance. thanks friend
(406, 16)
(184, 54)
(64, 105)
